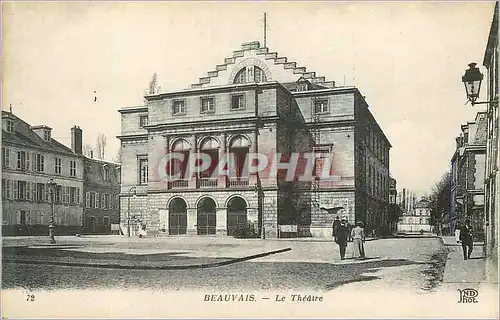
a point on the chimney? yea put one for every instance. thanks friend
(76, 140)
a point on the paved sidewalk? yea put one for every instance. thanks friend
(479, 271)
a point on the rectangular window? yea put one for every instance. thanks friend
(57, 194)
(39, 163)
(143, 121)
(207, 105)
(143, 171)
(87, 199)
(22, 217)
(72, 168)
(97, 200)
(103, 200)
(320, 106)
(21, 160)
(21, 189)
(40, 192)
(4, 189)
(10, 125)
(111, 199)
(105, 173)
(178, 107)
(57, 165)
(72, 195)
(78, 200)
(238, 102)
(5, 157)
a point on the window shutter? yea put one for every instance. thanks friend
(15, 189)
(103, 200)
(78, 195)
(87, 199)
(97, 198)
(28, 190)
(28, 162)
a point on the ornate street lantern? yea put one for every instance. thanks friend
(472, 81)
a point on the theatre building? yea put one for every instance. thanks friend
(256, 102)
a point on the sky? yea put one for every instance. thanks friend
(407, 58)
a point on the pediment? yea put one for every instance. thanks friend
(275, 68)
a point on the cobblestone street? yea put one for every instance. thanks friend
(404, 263)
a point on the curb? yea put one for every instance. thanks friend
(124, 267)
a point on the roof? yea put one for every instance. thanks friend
(422, 204)
(24, 135)
(492, 38)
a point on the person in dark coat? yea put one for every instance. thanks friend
(466, 236)
(341, 236)
(335, 226)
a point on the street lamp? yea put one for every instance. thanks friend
(128, 211)
(260, 204)
(472, 81)
(52, 185)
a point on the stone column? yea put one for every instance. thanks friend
(221, 222)
(221, 180)
(192, 219)
(253, 149)
(193, 177)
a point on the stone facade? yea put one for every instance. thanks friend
(492, 178)
(416, 220)
(468, 169)
(30, 159)
(259, 103)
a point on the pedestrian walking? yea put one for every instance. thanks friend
(341, 236)
(466, 236)
(358, 240)
(457, 233)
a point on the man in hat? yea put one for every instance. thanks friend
(341, 236)
(335, 226)
(467, 239)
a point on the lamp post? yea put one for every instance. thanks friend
(128, 210)
(260, 204)
(52, 185)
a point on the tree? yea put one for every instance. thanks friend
(101, 145)
(440, 199)
(88, 150)
(118, 157)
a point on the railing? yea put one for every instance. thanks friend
(207, 182)
(238, 182)
(178, 184)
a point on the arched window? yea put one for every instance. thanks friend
(181, 145)
(254, 73)
(241, 76)
(239, 142)
(180, 166)
(210, 147)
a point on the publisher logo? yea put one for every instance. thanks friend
(467, 295)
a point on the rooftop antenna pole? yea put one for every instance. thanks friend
(10, 108)
(265, 29)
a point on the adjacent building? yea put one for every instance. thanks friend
(417, 219)
(254, 102)
(492, 178)
(468, 172)
(31, 159)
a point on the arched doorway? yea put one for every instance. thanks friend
(177, 217)
(90, 226)
(236, 215)
(206, 216)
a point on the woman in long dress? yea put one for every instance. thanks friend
(358, 236)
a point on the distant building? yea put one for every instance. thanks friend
(468, 172)
(254, 102)
(86, 195)
(416, 220)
